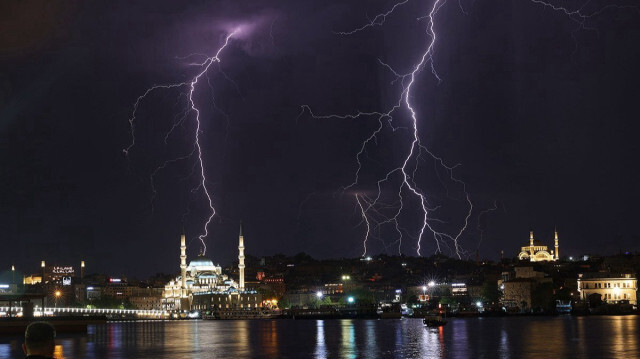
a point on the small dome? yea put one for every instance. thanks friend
(201, 261)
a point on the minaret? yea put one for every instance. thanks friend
(183, 261)
(531, 243)
(81, 270)
(241, 259)
(557, 246)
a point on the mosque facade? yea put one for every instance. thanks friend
(201, 278)
(537, 252)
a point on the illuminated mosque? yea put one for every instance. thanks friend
(201, 277)
(536, 252)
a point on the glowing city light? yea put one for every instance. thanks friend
(319, 294)
(431, 284)
(350, 300)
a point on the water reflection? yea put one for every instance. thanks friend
(348, 349)
(460, 331)
(433, 343)
(623, 336)
(58, 352)
(503, 350)
(5, 350)
(516, 337)
(371, 344)
(545, 337)
(269, 338)
(321, 347)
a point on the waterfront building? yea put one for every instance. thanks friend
(612, 288)
(537, 252)
(152, 302)
(517, 287)
(517, 293)
(94, 292)
(223, 301)
(202, 283)
(459, 289)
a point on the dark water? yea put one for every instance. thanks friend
(517, 337)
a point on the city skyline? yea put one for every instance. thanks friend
(530, 111)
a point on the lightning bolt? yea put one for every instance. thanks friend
(378, 20)
(190, 110)
(370, 207)
(407, 169)
(479, 226)
(365, 219)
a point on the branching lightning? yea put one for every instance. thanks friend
(406, 170)
(192, 111)
(371, 206)
(378, 20)
(365, 219)
(479, 225)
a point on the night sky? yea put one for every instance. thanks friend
(541, 115)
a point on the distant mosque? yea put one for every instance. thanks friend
(201, 278)
(536, 252)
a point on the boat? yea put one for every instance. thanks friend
(434, 321)
(390, 311)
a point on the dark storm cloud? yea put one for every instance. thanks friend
(540, 116)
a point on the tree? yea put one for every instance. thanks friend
(284, 303)
(363, 296)
(563, 294)
(412, 299)
(490, 292)
(108, 302)
(542, 297)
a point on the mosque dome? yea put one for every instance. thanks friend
(201, 261)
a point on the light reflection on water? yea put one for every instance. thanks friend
(321, 347)
(516, 337)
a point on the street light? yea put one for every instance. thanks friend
(319, 294)
(432, 284)
(350, 300)
(57, 293)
